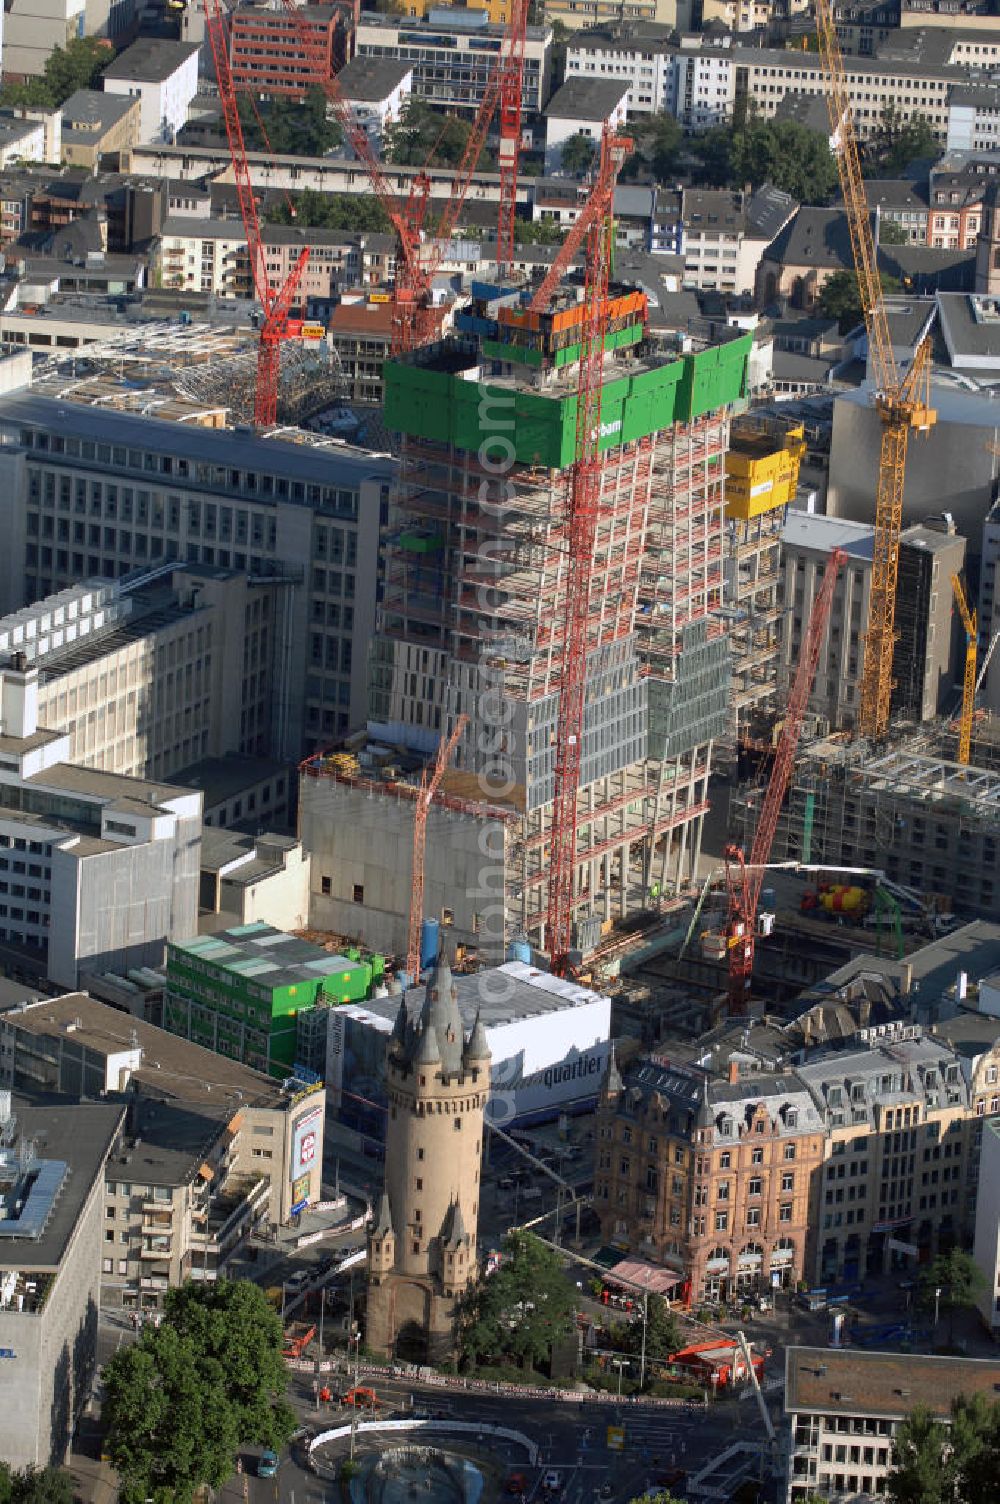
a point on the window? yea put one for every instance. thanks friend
(757, 1157)
(754, 1188)
(753, 1216)
(785, 1213)
(724, 1161)
(788, 1182)
(325, 887)
(358, 893)
(456, 1124)
(721, 1221)
(789, 1151)
(724, 1190)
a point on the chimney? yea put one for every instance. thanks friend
(962, 986)
(734, 1072)
(19, 697)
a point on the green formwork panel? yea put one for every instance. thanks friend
(444, 407)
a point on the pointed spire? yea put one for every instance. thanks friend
(440, 1013)
(427, 1051)
(383, 1227)
(453, 1234)
(705, 1117)
(477, 1046)
(400, 1027)
(612, 1076)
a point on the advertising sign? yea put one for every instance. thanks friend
(305, 1143)
(300, 1190)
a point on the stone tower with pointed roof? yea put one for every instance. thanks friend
(422, 1247)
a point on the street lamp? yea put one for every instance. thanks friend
(355, 1337)
(620, 1364)
(937, 1304)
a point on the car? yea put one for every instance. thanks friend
(552, 1482)
(267, 1464)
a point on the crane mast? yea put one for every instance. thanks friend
(969, 680)
(901, 400)
(425, 796)
(744, 879)
(580, 534)
(275, 304)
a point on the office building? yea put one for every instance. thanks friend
(269, 52)
(446, 646)
(641, 53)
(924, 658)
(163, 75)
(452, 50)
(160, 669)
(986, 1244)
(258, 505)
(97, 871)
(721, 235)
(239, 991)
(245, 879)
(95, 124)
(210, 1153)
(842, 1410)
(52, 1160)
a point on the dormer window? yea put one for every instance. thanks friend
(726, 1127)
(792, 1117)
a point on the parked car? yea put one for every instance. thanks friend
(552, 1482)
(267, 1464)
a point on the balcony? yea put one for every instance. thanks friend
(231, 1214)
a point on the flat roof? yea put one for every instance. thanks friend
(372, 78)
(585, 98)
(812, 530)
(261, 954)
(78, 1135)
(172, 1067)
(823, 1380)
(524, 992)
(221, 778)
(970, 323)
(150, 60)
(224, 447)
(90, 111)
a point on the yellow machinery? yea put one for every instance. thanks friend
(901, 399)
(969, 685)
(762, 466)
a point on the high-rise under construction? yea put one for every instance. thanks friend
(473, 618)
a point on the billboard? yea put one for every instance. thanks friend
(305, 1142)
(300, 1192)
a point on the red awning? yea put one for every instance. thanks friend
(651, 1277)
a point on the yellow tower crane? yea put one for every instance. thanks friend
(902, 399)
(969, 685)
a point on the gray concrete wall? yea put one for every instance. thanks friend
(359, 839)
(950, 469)
(44, 1385)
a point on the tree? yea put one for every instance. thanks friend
(577, 155)
(662, 1332)
(892, 233)
(840, 298)
(538, 232)
(78, 65)
(47, 1485)
(712, 152)
(898, 142)
(330, 211)
(422, 132)
(789, 155)
(922, 1470)
(208, 1380)
(658, 140)
(515, 1314)
(295, 129)
(957, 1275)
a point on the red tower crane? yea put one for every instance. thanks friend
(275, 302)
(417, 262)
(580, 534)
(428, 788)
(744, 879)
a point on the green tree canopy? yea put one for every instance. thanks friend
(78, 65)
(957, 1275)
(658, 140)
(662, 1332)
(423, 134)
(515, 1314)
(331, 211)
(293, 129)
(538, 232)
(898, 142)
(935, 1463)
(577, 155)
(181, 1402)
(891, 233)
(840, 298)
(30, 1485)
(712, 157)
(791, 156)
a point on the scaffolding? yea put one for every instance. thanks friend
(475, 581)
(929, 823)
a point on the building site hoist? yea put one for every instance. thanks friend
(969, 679)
